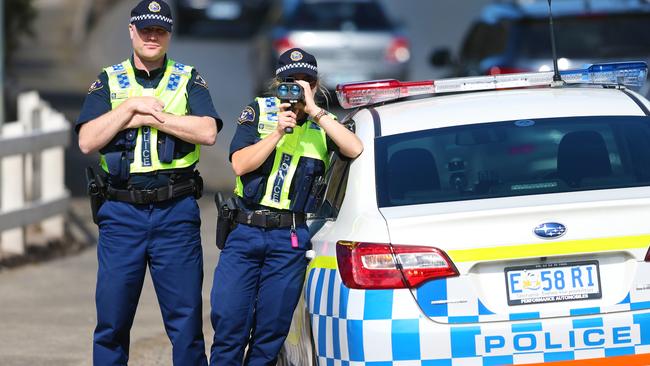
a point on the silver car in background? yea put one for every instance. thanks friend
(352, 40)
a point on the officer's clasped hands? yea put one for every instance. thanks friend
(147, 111)
(146, 105)
(140, 119)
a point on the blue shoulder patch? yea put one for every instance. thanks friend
(200, 81)
(247, 115)
(96, 85)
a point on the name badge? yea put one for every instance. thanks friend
(120, 94)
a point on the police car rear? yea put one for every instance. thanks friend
(486, 228)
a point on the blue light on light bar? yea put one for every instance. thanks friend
(630, 74)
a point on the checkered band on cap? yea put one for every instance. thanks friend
(151, 17)
(296, 65)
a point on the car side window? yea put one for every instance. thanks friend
(336, 179)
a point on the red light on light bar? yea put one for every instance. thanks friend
(353, 95)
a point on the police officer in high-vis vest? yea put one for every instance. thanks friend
(259, 277)
(147, 117)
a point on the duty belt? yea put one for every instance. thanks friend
(269, 219)
(192, 186)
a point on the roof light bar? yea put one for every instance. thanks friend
(352, 95)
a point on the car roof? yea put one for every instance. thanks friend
(505, 105)
(519, 9)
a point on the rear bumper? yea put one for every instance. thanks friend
(360, 327)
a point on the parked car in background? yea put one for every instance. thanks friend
(500, 221)
(220, 18)
(515, 37)
(352, 40)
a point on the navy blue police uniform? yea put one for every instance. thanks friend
(260, 274)
(163, 234)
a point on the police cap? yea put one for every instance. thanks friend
(296, 61)
(150, 13)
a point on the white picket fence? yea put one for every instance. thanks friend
(32, 186)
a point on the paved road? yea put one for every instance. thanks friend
(47, 311)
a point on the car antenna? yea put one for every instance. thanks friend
(557, 78)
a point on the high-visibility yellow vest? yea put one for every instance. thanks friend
(172, 92)
(307, 141)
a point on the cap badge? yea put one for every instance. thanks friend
(154, 7)
(296, 56)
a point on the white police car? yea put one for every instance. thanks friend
(508, 226)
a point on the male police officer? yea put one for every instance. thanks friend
(148, 116)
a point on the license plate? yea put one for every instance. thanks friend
(226, 10)
(553, 282)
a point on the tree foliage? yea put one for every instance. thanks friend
(18, 18)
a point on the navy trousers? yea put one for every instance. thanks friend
(166, 238)
(257, 284)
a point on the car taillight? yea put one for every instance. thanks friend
(398, 50)
(372, 266)
(647, 256)
(282, 44)
(499, 70)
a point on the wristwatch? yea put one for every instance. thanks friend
(320, 114)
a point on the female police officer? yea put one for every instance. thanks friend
(261, 270)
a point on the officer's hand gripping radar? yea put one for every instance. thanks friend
(292, 93)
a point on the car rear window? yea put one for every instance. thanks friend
(512, 158)
(339, 15)
(588, 37)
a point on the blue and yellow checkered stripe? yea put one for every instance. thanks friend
(123, 80)
(174, 80)
(118, 67)
(386, 327)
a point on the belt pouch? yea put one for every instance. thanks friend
(254, 186)
(166, 151)
(118, 165)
